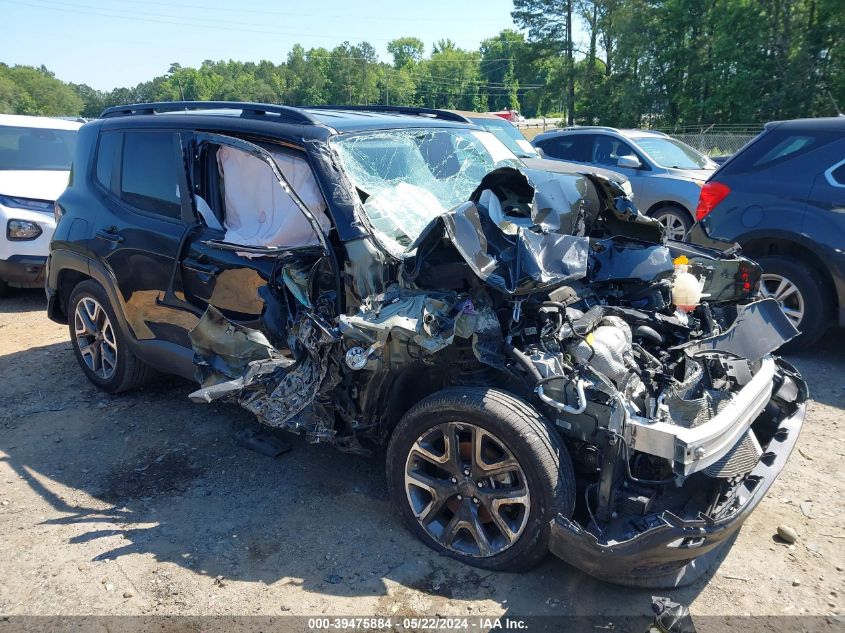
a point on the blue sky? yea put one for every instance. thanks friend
(107, 44)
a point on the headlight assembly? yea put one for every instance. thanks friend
(20, 230)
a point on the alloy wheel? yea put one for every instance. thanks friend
(466, 489)
(675, 228)
(786, 294)
(95, 337)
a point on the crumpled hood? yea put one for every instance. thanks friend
(517, 254)
(39, 185)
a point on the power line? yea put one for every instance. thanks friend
(179, 20)
(158, 18)
(285, 13)
(498, 84)
(438, 61)
(490, 89)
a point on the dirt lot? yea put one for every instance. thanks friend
(140, 503)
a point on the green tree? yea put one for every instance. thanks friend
(93, 101)
(549, 23)
(642, 63)
(502, 58)
(352, 74)
(449, 78)
(28, 90)
(406, 50)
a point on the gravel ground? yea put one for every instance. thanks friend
(143, 504)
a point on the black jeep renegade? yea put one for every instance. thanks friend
(546, 369)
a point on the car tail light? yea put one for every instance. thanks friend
(712, 193)
(748, 279)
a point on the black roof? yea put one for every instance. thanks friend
(310, 121)
(834, 123)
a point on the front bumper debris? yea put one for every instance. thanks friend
(694, 449)
(674, 552)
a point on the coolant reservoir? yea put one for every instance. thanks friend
(686, 289)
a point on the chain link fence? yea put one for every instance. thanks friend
(715, 140)
(712, 140)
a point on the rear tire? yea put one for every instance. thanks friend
(98, 342)
(800, 292)
(498, 522)
(676, 220)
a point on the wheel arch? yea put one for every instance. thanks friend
(669, 203)
(67, 279)
(68, 269)
(396, 393)
(783, 246)
(399, 391)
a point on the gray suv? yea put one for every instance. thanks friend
(666, 175)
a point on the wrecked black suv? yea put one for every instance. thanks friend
(546, 370)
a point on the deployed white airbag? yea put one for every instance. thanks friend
(403, 210)
(259, 212)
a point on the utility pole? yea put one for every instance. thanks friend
(570, 65)
(363, 74)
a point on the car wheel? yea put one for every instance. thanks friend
(675, 220)
(796, 287)
(478, 475)
(98, 342)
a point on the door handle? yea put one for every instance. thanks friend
(109, 236)
(203, 269)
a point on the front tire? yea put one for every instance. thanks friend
(478, 475)
(98, 342)
(676, 221)
(801, 295)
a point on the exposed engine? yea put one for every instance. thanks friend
(652, 360)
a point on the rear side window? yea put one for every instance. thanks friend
(777, 147)
(575, 147)
(151, 172)
(107, 153)
(836, 175)
(787, 147)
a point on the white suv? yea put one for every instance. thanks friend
(35, 156)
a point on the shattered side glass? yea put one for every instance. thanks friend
(408, 177)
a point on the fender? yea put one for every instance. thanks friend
(162, 355)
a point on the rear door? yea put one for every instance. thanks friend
(142, 177)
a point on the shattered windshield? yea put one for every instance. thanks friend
(507, 132)
(408, 177)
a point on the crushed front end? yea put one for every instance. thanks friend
(652, 360)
